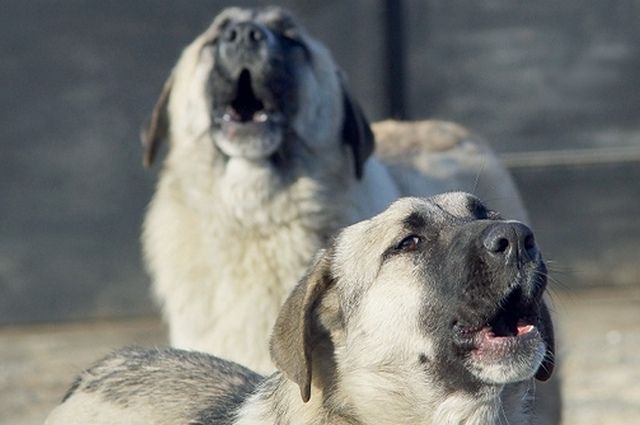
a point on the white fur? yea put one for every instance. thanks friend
(90, 408)
(223, 270)
(371, 351)
(224, 243)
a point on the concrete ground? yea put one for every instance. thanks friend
(599, 336)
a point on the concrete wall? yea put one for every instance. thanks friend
(553, 86)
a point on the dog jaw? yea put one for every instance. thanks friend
(252, 141)
(506, 359)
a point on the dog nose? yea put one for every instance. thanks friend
(245, 35)
(511, 240)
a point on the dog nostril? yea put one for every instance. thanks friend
(529, 242)
(511, 240)
(497, 245)
(501, 245)
(530, 245)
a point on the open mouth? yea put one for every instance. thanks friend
(514, 323)
(246, 106)
(249, 125)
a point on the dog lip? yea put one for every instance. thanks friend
(487, 345)
(515, 317)
(466, 330)
(488, 333)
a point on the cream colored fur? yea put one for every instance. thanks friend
(224, 244)
(360, 325)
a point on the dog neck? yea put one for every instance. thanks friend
(255, 193)
(249, 189)
(278, 400)
(493, 405)
(342, 395)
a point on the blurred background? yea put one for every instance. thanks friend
(554, 87)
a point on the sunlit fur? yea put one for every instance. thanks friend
(371, 324)
(225, 239)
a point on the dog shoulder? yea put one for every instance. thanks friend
(400, 139)
(431, 156)
(428, 157)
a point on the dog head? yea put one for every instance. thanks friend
(434, 295)
(255, 86)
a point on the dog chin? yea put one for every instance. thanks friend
(505, 360)
(252, 141)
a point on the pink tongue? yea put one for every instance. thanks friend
(524, 329)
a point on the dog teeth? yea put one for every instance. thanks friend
(261, 117)
(226, 117)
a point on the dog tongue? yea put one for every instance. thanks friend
(490, 335)
(524, 329)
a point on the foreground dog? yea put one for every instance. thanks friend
(429, 313)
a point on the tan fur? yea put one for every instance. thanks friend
(422, 152)
(359, 341)
(224, 243)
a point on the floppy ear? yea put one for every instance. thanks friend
(157, 127)
(546, 368)
(291, 341)
(356, 131)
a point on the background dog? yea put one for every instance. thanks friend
(430, 313)
(268, 156)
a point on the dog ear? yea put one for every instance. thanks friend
(546, 368)
(291, 342)
(356, 131)
(157, 127)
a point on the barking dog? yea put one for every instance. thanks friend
(429, 313)
(269, 156)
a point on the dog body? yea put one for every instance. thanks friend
(233, 225)
(222, 278)
(429, 313)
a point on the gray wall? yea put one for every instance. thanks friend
(553, 86)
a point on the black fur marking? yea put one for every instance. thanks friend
(477, 209)
(356, 133)
(415, 225)
(467, 285)
(72, 389)
(415, 222)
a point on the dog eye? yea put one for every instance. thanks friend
(410, 243)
